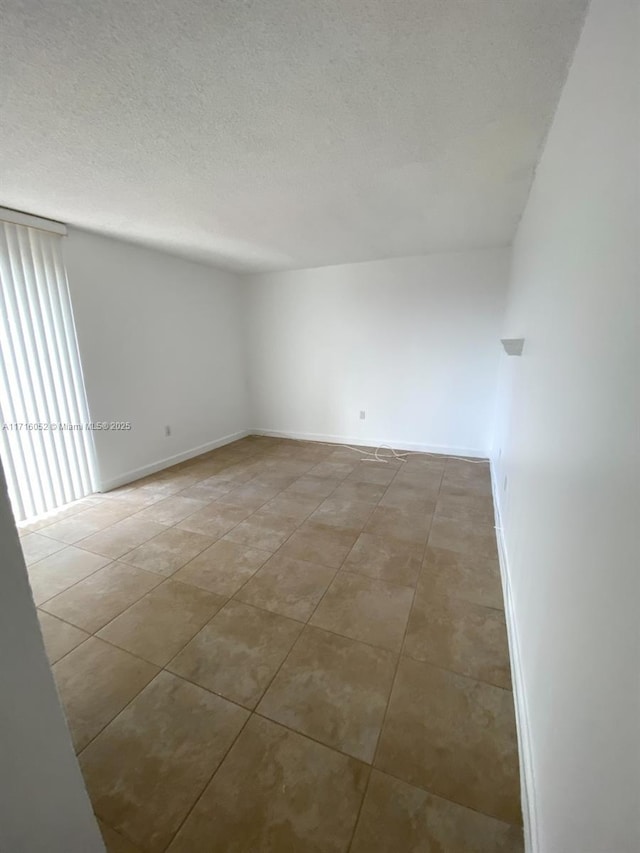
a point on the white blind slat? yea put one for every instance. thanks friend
(68, 459)
(83, 440)
(20, 387)
(31, 321)
(41, 384)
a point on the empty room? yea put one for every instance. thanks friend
(319, 426)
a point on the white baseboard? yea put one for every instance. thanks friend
(527, 780)
(161, 464)
(137, 473)
(362, 442)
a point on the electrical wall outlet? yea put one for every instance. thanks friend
(363, 414)
(504, 485)
(167, 430)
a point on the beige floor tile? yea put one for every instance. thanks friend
(275, 478)
(56, 573)
(355, 490)
(234, 471)
(36, 547)
(237, 473)
(334, 690)
(399, 524)
(319, 543)
(423, 470)
(133, 496)
(455, 634)
(263, 531)
(59, 637)
(205, 491)
(350, 537)
(147, 768)
(158, 489)
(477, 487)
(72, 529)
(240, 469)
(398, 816)
(289, 587)
(286, 466)
(467, 576)
(413, 486)
(294, 507)
(454, 736)
(425, 467)
(215, 520)
(386, 559)
(95, 681)
(98, 599)
(469, 470)
(206, 469)
(342, 513)
(251, 495)
(87, 522)
(163, 622)
(409, 499)
(114, 842)
(333, 470)
(471, 476)
(122, 492)
(171, 510)
(168, 551)
(306, 452)
(276, 791)
(381, 473)
(238, 652)
(464, 537)
(112, 510)
(424, 463)
(223, 568)
(39, 522)
(462, 506)
(319, 487)
(365, 609)
(121, 537)
(342, 453)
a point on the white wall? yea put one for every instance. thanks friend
(161, 343)
(568, 432)
(414, 342)
(44, 807)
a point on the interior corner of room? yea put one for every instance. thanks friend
(464, 298)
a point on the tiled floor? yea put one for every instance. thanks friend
(282, 647)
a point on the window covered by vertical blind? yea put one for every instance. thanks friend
(47, 451)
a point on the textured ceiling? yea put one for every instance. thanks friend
(282, 134)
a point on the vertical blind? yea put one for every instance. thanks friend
(45, 443)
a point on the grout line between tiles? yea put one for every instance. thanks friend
(75, 583)
(82, 628)
(406, 628)
(438, 796)
(393, 681)
(308, 620)
(285, 659)
(259, 456)
(123, 834)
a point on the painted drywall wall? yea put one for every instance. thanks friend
(412, 342)
(44, 807)
(161, 344)
(566, 455)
